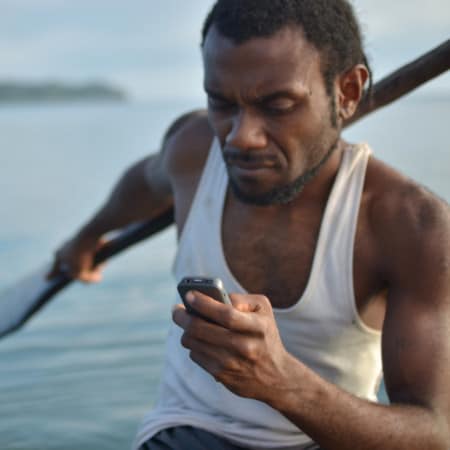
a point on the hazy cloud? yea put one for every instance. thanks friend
(149, 45)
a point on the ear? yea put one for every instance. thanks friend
(350, 88)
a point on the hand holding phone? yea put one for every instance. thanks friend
(212, 287)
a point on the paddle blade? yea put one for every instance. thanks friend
(20, 301)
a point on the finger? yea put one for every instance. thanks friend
(211, 337)
(101, 242)
(197, 328)
(180, 316)
(96, 273)
(212, 334)
(89, 276)
(217, 363)
(227, 348)
(225, 315)
(205, 362)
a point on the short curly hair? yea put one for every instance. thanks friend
(330, 25)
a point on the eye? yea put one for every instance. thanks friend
(280, 105)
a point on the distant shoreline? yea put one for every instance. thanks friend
(58, 92)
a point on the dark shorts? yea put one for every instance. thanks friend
(190, 438)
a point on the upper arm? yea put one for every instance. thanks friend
(175, 156)
(415, 242)
(179, 165)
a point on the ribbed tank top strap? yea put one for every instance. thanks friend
(343, 204)
(337, 237)
(350, 209)
(207, 202)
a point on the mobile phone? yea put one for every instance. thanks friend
(212, 287)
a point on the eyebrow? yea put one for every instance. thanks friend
(264, 98)
(281, 93)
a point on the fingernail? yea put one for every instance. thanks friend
(190, 297)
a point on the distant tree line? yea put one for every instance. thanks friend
(11, 91)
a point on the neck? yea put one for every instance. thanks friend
(319, 187)
(314, 194)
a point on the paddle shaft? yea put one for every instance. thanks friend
(389, 89)
(18, 306)
(404, 80)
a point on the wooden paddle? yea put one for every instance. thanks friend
(404, 80)
(19, 302)
(25, 298)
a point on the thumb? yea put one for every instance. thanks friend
(250, 302)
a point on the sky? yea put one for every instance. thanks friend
(151, 49)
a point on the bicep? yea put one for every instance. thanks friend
(416, 350)
(416, 330)
(156, 176)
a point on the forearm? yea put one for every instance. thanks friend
(337, 420)
(132, 199)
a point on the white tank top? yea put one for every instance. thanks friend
(323, 329)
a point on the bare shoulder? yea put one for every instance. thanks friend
(185, 150)
(411, 227)
(186, 145)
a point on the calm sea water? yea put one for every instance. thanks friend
(83, 372)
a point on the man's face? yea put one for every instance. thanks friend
(268, 106)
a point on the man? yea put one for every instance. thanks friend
(322, 246)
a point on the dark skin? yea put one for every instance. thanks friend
(267, 97)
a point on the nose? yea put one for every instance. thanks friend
(246, 132)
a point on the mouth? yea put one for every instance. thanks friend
(248, 162)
